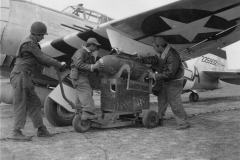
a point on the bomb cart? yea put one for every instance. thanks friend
(124, 98)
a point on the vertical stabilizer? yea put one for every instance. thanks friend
(214, 61)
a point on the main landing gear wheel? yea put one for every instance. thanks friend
(193, 97)
(150, 119)
(80, 125)
(56, 114)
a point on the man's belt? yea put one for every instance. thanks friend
(178, 79)
(84, 73)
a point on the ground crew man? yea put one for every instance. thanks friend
(25, 99)
(170, 72)
(83, 63)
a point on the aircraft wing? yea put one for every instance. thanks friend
(183, 24)
(232, 77)
(192, 27)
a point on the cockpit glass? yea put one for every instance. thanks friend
(86, 14)
(68, 9)
(79, 12)
(92, 16)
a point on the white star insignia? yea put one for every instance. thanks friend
(188, 30)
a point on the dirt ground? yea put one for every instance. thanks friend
(214, 134)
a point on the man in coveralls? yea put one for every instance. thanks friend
(83, 63)
(25, 99)
(170, 77)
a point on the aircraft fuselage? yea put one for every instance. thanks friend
(66, 33)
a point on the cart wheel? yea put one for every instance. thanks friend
(81, 125)
(150, 119)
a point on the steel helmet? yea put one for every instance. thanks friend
(39, 28)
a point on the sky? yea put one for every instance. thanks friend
(122, 8)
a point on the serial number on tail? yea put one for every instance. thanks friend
(209, 60)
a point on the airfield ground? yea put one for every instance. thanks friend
(214, 134)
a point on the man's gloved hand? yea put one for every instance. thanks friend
(63, 64)
(98, 65)
(151, 75)
(138, 56)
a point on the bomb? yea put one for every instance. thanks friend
(113, 64)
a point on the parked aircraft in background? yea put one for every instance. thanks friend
(194, 28)
(207, 73)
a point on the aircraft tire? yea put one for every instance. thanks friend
(193, 97)
(80, 125)
(150, 119)
(52, 113)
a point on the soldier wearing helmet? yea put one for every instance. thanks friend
(39, 28)
(170, 77)
(83, 63)
(25, 99)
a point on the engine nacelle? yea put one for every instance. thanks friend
(114, 63)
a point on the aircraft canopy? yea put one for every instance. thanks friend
(87, 14)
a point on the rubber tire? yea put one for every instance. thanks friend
(80, 125)
(150, 119)
(193, 97)
(50, 110)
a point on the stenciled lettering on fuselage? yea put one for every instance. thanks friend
(209, 60)
(190, 74)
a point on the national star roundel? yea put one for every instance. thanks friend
(157, 24)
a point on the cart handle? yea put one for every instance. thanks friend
(150, 85)
(62, 90)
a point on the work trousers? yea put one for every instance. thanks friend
(84, 93)
(171, 94)
(25, 101)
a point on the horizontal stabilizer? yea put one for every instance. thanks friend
(232, 77)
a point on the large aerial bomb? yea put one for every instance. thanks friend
(117, 65)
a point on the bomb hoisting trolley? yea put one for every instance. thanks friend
(122, 103)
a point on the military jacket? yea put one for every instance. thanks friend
(169, 67)
(83, 60)
(29, 54)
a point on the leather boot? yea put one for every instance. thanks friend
(93, 114)
(18, 135)
(43, 132)
(87, 115)
(160, 122)
(182, 127)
